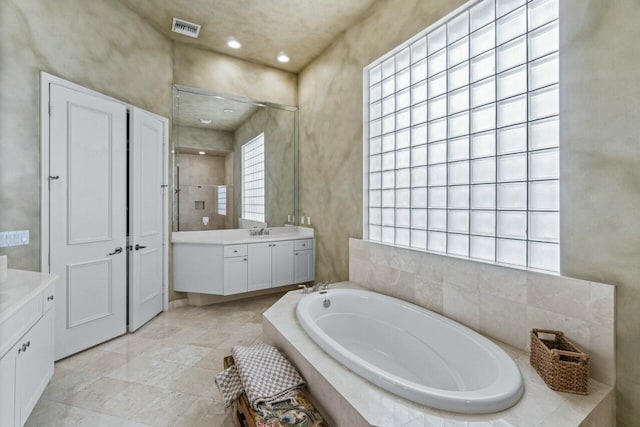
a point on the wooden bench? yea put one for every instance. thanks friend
(247, 417)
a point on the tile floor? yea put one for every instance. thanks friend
(161, 375)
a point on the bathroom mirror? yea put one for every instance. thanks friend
(234, 161)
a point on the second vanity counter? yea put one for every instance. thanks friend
(229, 262)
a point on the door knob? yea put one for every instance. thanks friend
(116, 251)
(138, 247)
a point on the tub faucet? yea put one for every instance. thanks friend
(321, 286)
(305, 289)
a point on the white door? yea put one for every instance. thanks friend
(87, 204)
(259, 269)
(282, 263)
(146, 217)
(303, 270)
(235, 275)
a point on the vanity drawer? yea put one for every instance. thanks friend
(15, 326)
(235, 250)
(301, 245)
(48, 296)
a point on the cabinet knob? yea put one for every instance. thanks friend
(50, 298)
(296, 253)
(244, 259)
(235, 251)
(28, 343)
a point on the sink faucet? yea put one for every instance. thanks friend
(255, 231)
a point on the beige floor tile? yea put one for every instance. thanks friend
(131, 401)
(94, 361)
(65, 383)
(95, 396)
(206, 413)
(161, 375)
(164, 407)
(157, 373)
(195, 381)
(129, 344)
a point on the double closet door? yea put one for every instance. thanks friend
(107, 207)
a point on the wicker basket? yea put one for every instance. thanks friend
(561, 364)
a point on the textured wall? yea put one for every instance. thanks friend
(330, 100)
(98, 44)
(600, 167)
(279, 141)
(220, 73)
(205, 139)
(600, 154)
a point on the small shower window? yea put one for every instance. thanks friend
(461, 140)
(222, 200)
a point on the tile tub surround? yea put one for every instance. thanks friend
(351, 401)
(161, 375)
(501, 302)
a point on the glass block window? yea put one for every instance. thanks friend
(461, 136)
(253, 179)
(222, 200)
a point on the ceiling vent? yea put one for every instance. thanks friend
(185, 28)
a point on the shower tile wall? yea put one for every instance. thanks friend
(201, 170)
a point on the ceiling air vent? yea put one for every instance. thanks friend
(186, 28)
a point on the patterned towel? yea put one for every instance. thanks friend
(263, 373)
(229, 384)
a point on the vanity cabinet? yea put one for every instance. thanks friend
(245, 266)
(235, 275)
(303, 266)
(27, 367)
(270, 265)
(259, 267)
(282, 264)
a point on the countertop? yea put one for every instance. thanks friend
(239, 236)
(539, 405)
(19, 288)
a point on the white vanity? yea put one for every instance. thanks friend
(230, 262)
(26, 342)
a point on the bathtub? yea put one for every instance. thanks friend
(412, 352)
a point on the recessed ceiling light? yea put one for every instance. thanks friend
(228, 110)
(218, 97)
(261, 105)
(206, 121)
(202, 153)
(233, 43)
(283, 57)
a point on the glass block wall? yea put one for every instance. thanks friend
(461, 137)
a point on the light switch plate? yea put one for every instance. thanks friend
(14, 238)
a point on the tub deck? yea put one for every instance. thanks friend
(350, 400)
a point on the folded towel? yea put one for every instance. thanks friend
(229, 384)
(264, 374)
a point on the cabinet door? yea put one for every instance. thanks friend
(282, 263)
(259, 268)
(34, 366)
(303, 269)
(235, 275)
(8, 388)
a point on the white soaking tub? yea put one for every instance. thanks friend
(411, 351)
